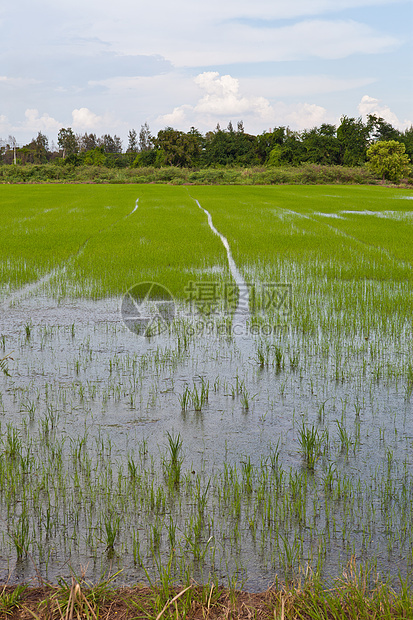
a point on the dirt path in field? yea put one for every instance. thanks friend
(33, 287)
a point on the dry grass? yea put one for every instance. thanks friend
(351, 598)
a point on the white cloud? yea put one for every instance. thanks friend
(13, 81)
(305, 115)
(222, 99)
(370, 105)
(177, 118)
(96, 13)
(243, 42)
(303, 85)
(222, 102)
(86, 120)
(43, 123)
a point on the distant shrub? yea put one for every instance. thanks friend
(308, 174)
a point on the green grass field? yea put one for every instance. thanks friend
(346, 251)
(104, 248)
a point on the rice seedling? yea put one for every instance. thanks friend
(20, 536)
(172, 466)
(3, 364)
(311, 444)
(199, 396)
(185, 399)
(111, 532)
(345, 439)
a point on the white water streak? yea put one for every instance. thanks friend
(33, 287)
(136, 206)
(242, 309)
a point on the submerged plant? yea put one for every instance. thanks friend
(3, 364)
(185, 398)
(311, 442)
(20, 537)
(172, 466)
(112, 528)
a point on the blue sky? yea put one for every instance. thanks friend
(106, 67)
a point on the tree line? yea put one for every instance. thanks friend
(345, 145)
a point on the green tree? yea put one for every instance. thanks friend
(267, 141)
(229, 147)
(132, 141)
(95, 157)
(111, 145)
(321, 145)
(67, 141)
(40, 148)
(387, 159)
(293, 150)
(145, 138)
(353, 136)
(407, 139)
(274, 158)
(87, 142)
(381, 130)
(176, 148)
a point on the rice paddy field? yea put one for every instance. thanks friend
(263, 431)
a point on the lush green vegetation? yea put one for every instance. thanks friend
(345, 145)
(188, 457)
(90, 243)
(309, 174)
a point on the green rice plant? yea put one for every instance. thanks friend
(247, 475)
(278, 358)
(172, 466)
(345, 439)
(289, 555)
(311, 443)
(136, 548)
(185, 399)
(263, 354)
(172, 532)
(409, 378)
(3, 364)
(132, 469)
(10, 599)
(20, 537)
(30, 407)
(111, 531)
(199, 397)
(13, 443)
(246, 398)
(201, 496)
(330, 477)
(294, 360)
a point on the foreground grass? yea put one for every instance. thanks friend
(353, 597)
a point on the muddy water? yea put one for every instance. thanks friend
(100, 381)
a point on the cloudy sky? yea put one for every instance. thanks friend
(108, 66)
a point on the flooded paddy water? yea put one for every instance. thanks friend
(232, 447)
